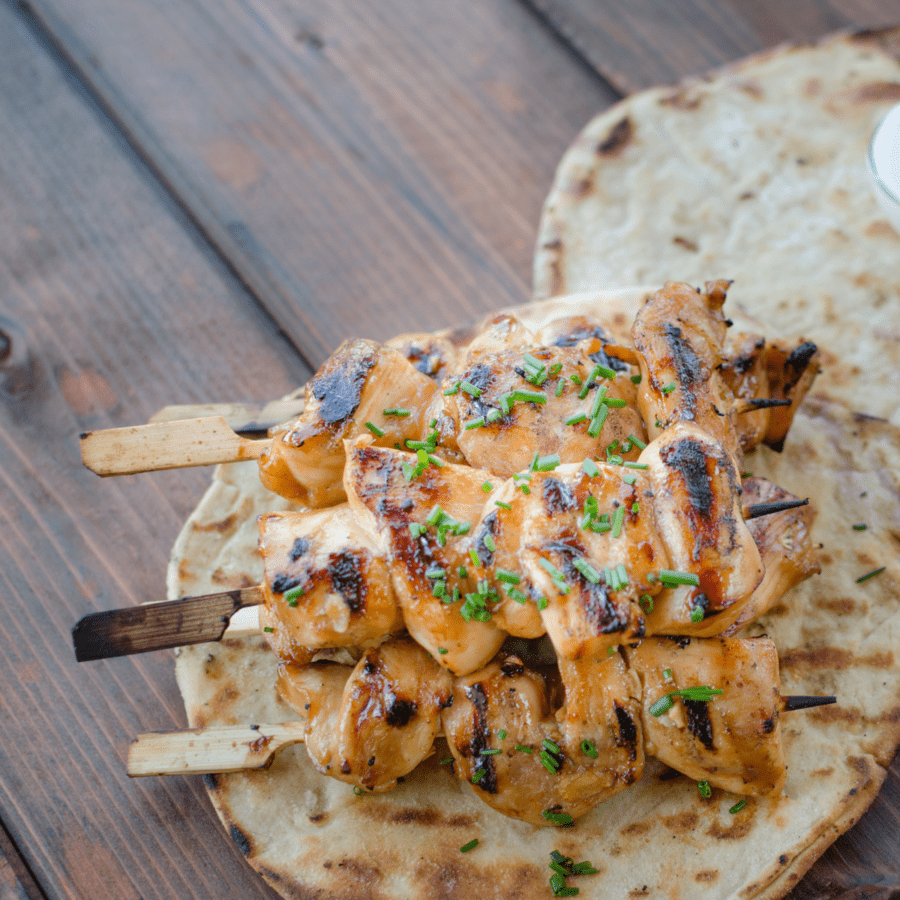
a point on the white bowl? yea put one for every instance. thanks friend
(884, 165)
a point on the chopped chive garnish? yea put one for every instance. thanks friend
(470, 388)
(470, 846)
(618, 519)
(444, 762)
(374, 429)
(860, 527)
(435, 461)
(547, 744)
(588, 749)
(442, 651)
(532, 361)
(696, 613)
(667, 674)
(556, 368)
(737, 807)
(529, 396)
(636, 442)
(475, 423)
(436, 516)
(501, 734)
(635, 379)
(490, 752)
(397, 411)
(522, 749)
(703, 693)
(267, 629)
(663, 705)
(462, 572)
(547, 463)
(646, 603)
(574, 420)
(292, 595)
(589, 467)
(869, 575)
(436, 572)
(576, 379)
(542, 602)
(507, 576)
(668, 577)
(548, 566)
(517, 595)
(597, 422)
(489, 543)
(587, 570)
(557, 818)
(409, 472)
(476, 559)
(502, 505)
(636, 465)
(487, 487)
(629, 479)
(598, 401)
(359, 791)
(479, 774)
(705, 789)
(452, 390)
(668, 388)
(559, 388)
(549, 763)
(635, 508)
(439, 588)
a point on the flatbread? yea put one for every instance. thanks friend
(311, 836)
(755, 173)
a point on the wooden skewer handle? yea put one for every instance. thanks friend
(229, 748)
(241, 417)
(166, 445)
(157, 626)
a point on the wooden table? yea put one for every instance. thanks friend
(198, 200)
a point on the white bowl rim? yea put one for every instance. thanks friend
(871, 160)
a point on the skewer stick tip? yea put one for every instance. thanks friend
(798, 701)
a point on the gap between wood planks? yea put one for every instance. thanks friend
(110, 121)
(17, 881)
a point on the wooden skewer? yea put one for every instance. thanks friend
(166, 445)
(760, 403)
(756, 510)
(231, 748)
(158, 626)
(201, 751)
(242, 418)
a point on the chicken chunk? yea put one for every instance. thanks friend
(327, 583)
(731, 740)
(699, 516)
(363, 387)
(375, 723)
(546, 767)
(424, 519)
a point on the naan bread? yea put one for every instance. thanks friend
(756, 173)
(309, 835)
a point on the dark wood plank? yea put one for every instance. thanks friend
(16, 882)
(642, 43)
(111, 306)
(370, 169)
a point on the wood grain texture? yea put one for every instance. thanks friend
(642, 43)
(16, 882)
(111, 306)
(364, 166)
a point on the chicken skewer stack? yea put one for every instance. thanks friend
(651, 540)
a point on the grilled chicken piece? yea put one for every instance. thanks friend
(572, 330)
(785, 542)
(593, 744)
(589, 546)
(745, 373)
(500, 430)
(356, 385)
(439, 505)
(347, 597)
(733, 741)
(792, 370)
(433, 356)
(375, 723)
(678, 336)
(698, 513)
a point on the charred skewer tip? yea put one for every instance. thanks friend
(799, 701)
(755, 510)
(760, 403)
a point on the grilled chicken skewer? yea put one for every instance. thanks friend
(708, 708)
(326, 585)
